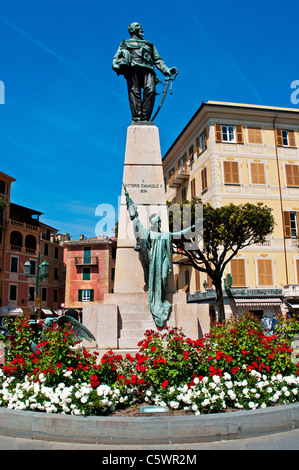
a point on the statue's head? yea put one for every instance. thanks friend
(155, 222)
(136, 28)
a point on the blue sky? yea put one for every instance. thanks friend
(64, 122)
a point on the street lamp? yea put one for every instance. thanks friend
(41, 272)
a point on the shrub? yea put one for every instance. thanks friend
(235, 366)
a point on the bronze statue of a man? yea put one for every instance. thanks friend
(136, 59)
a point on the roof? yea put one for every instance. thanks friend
(223, 104)
(27, 209)
(7, 177)
(91, 241)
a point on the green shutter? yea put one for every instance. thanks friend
(80, 295)
(91, 295)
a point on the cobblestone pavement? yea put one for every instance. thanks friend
(288, 440)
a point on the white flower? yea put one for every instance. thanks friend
(226, 376)
(216, 379)
(174, 404)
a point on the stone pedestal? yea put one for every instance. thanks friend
(121, 321)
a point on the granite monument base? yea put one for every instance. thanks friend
(120, 322)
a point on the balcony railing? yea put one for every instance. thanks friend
(179, 176)
(86, 261)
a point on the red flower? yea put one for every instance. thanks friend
(244, 352)
(164, 384)
(153, 348)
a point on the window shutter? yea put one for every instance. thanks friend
(295, 169)
(287, 224)
(265, 272)
(254, 135)
(80, 295)
(257, 173)
(291, 135)
(218, 133)
(206, 137)
(197, 145)
(91, 295)
(193, 190)
(231, 172)
(292, 175)
(279, 140)
(297, 268)
(187, 281)
(204, 180)
(238, 272)
(197, 280)
(239, 134)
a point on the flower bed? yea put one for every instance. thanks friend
(236, 367)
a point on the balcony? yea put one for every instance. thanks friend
(291, 291)
(179, 176)
(86, 261)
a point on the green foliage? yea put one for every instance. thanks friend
(235, 365)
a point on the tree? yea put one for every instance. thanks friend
(226, 231)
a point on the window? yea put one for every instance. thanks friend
(86, 274)
(112, 274)
(264, 267)
(44, 294)
(87, 255)
(46, 249)
(292, 175)
(31, 294)
(85, 295)
(14, 264)
(56, 252)
(231, 172)
(55, 273)
(290, 220)
(184, 194)
(257, 173)
(32, 268)
(229, 133)
(191, 154)
(202, 141)
(204, 179)
(12, 292)
(237, 267)
(285, 138)
(55, 295)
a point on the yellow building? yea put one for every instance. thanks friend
(240, 153)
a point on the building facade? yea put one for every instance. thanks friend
(90, 268)
(238, 153)
(26, 239)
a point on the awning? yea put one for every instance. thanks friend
(267, 302)
(10, 311)
(293, 304)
